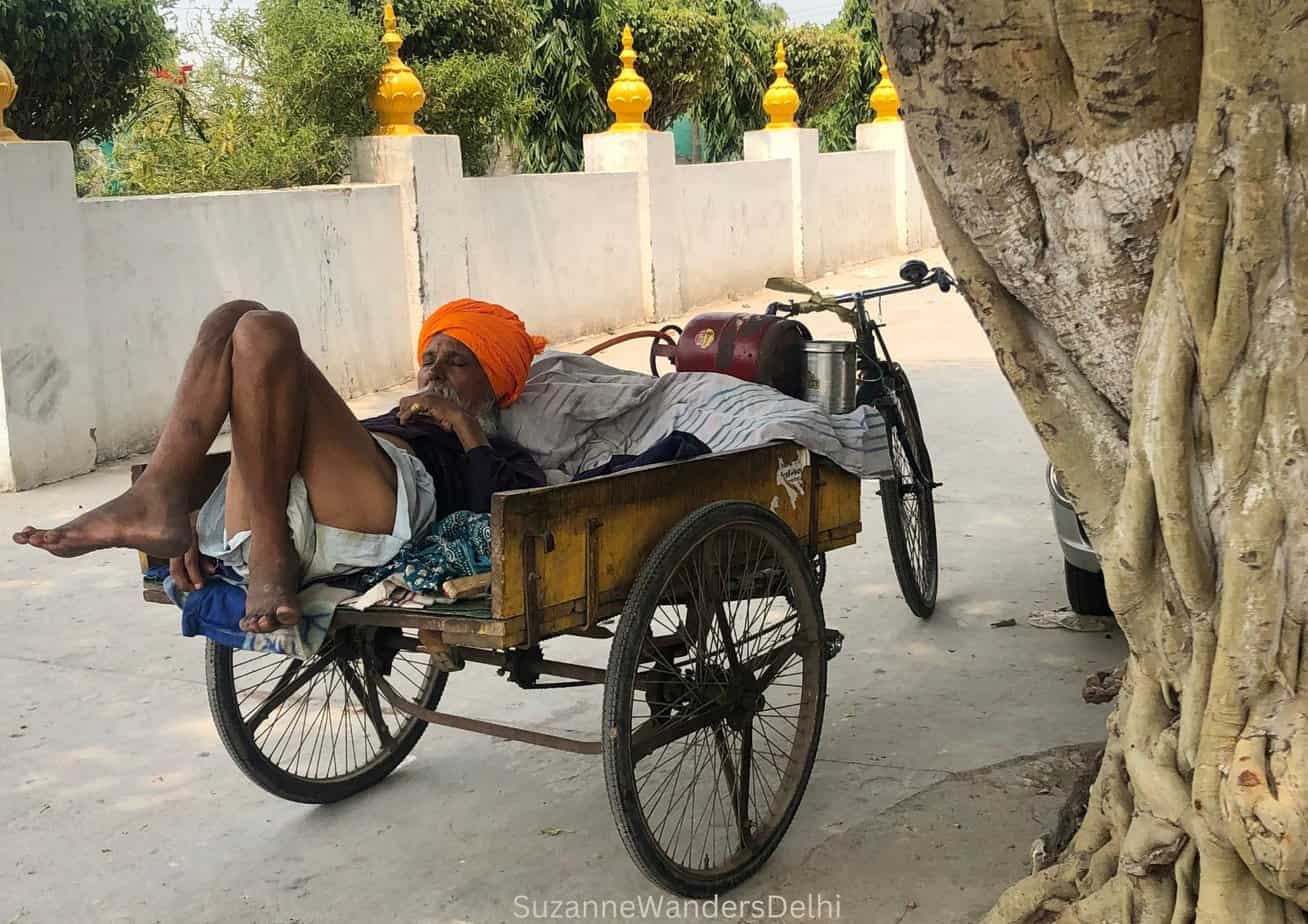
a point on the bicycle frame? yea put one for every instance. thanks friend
(873, 352)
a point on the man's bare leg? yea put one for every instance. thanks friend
(152, 515)
(286, 417)
(351, 484)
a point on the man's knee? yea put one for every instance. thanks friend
(217, 327)
(264, 338)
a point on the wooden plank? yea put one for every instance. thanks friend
(461, 588)
(635, 509)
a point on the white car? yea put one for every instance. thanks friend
(1081, 570)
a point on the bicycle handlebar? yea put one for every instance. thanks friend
(937, 276)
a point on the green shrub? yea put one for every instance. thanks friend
(80, 64)
(681, 54)
(572, 38)
(277, 105)
(474, 96)
(838, 124)
(735, 105)
(435, 30)
(821, 62)
(315, 60)
(230, 137)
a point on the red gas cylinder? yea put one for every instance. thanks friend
(755, 347)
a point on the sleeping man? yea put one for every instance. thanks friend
(312, 491)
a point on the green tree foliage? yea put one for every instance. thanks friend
(474, 96)
(734, 106)
(682, 54)
(80, 64)
(838, 123)
(289, 87)
(469, 56)
(435, 30)
(571, 38)
(821, 61)
(273, 109)
(225, 136)
(314, 60)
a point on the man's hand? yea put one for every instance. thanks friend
(188, 571)
(445, 414)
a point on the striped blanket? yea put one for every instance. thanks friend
(576, 413)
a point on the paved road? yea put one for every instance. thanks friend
(119, 803)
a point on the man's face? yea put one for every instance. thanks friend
(448, 365)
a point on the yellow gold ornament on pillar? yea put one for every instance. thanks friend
(781, 101)
(885, 98)
(398, 94)
(8, 91)
(630, 97)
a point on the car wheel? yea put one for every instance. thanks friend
(1085, 591)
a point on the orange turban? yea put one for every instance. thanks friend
(494, 334)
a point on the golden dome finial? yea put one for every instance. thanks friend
(8, 92)
(781, 101)
(398, 94)
(629, 98)
(885, 98)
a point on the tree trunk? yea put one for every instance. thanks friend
(1120, 186)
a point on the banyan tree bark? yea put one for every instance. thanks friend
(1120, 186)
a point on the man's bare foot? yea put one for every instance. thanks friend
(148, 517)
(270, 594)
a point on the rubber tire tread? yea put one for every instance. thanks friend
(626, 645)
(895, 533)
(1086, 593)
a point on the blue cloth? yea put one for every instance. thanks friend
(215, 610)
(674, 447)
(456, 546)
(156, 574)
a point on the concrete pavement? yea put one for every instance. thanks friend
(935, 771)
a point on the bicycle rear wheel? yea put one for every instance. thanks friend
(906, 499)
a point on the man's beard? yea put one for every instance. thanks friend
(488, 419)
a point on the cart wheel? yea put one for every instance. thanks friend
(318, 730)
(907, 504)
(713, 707)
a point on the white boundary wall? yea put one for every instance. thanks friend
(158, 264)
(100, 298)
(734, 230)
(562, 249)
(853, 207)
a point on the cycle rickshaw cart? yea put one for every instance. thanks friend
(716, 678)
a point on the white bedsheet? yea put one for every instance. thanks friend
(576, 413)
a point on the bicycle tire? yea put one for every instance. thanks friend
(907, 501)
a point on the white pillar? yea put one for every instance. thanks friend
(429, 172)
(913, 226)
(47, 405)
(800, 147)
(652, 157)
